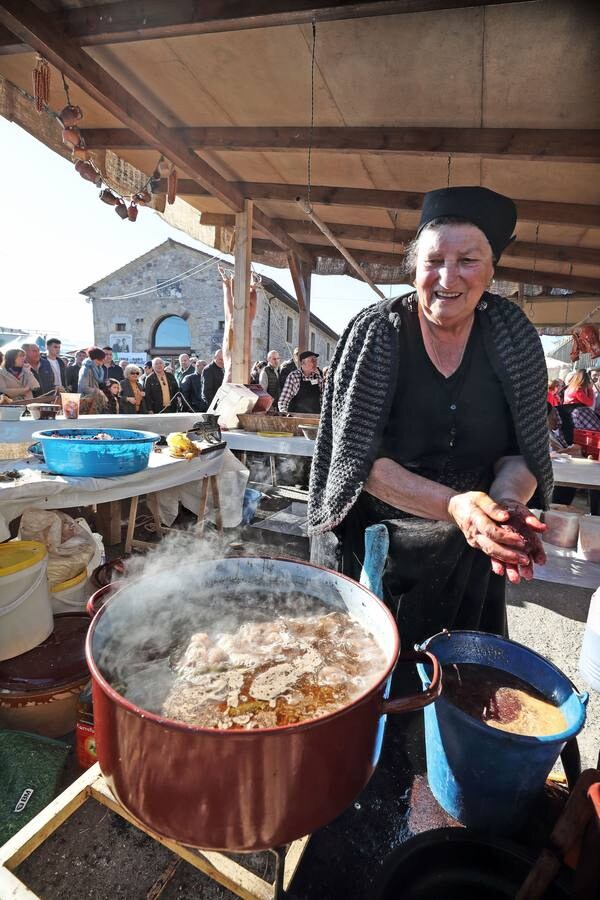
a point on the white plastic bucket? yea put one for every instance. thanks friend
(20, 564)
(27, 620)
(589, 661)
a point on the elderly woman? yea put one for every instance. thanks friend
(17, 381)
(434, 423)
(132, 396)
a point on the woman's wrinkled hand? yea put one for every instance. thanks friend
(522, 521)
(486, 525)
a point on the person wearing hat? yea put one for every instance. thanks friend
(434, 423)
(303, 387)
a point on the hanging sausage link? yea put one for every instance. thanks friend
(41, 83)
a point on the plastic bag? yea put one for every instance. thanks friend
(70, 542)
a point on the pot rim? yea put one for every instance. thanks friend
(244, 733)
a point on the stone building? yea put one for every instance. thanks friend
(170, 301)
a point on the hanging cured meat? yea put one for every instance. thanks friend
(589, 340)
(575, 349)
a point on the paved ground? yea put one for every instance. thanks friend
(99, 856)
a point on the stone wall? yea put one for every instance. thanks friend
(197, 298)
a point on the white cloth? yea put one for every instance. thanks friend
(568, 471)
(60, 491)
(233, 479)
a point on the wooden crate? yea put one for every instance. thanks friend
(281, 424)
(92, 786)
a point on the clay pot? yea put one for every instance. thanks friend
(88, 172)
(70, 115)
(121, 210)
(107, 196)
(81, 153)
(142, 198)
(132, 213)
(71, 137)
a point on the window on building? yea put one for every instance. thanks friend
(289, 331)
(173, 331)
(328, 351)
(312, 341)
(120, 326)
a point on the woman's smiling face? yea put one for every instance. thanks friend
(454, 268)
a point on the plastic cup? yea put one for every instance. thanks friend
(70, 405)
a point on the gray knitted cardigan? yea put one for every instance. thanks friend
(360, 387)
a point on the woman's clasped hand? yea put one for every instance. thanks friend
(505, 530)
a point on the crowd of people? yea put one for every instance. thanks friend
(573, 404)
(28, 373)
(119, 387)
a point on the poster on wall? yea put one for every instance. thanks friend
(138, 359)
(121, 342)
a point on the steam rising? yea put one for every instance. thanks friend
(189, 586)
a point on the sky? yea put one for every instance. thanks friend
(57, 238)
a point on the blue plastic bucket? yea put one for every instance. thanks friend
(252, 499)
(484, 777)
(71, 451)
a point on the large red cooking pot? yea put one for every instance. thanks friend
(242, 789)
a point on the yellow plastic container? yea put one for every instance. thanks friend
(25, 606)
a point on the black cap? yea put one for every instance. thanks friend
(306, 353)
(492, 213)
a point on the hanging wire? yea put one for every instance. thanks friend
(312, 111)
(66, 88)
(449, 167)
(535, 251)
(394, 225)
(188, 273)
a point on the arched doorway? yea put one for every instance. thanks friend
(171, 337)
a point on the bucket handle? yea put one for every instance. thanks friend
(417, 701)
(4, 610)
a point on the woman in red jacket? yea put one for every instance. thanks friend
(580, 389)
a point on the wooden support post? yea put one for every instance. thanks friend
(240, 369)
(108, 522)
(301, 273)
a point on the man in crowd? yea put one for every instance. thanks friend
(191, 387)
(269, 377)
(212, 378)
(303, 387)
(111, 369)
(146, 371)
(160, 387)
(72, 372)
(289, 365)
(184, 368)
(50, 369)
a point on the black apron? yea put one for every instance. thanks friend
(308, 398)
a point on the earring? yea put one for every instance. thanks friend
(482, 304)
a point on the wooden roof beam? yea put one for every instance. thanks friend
(135, 20)
(504, 273)
(494, 143)
(304, 230)
(542, 211)
(40, 31)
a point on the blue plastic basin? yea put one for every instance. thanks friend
(69, 451)
(484, 777)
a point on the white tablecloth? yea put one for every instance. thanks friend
(583, 473)
(60, 491)
(165, 423)
(286, 445)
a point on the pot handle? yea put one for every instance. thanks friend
(99, 598)
(417, 701)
